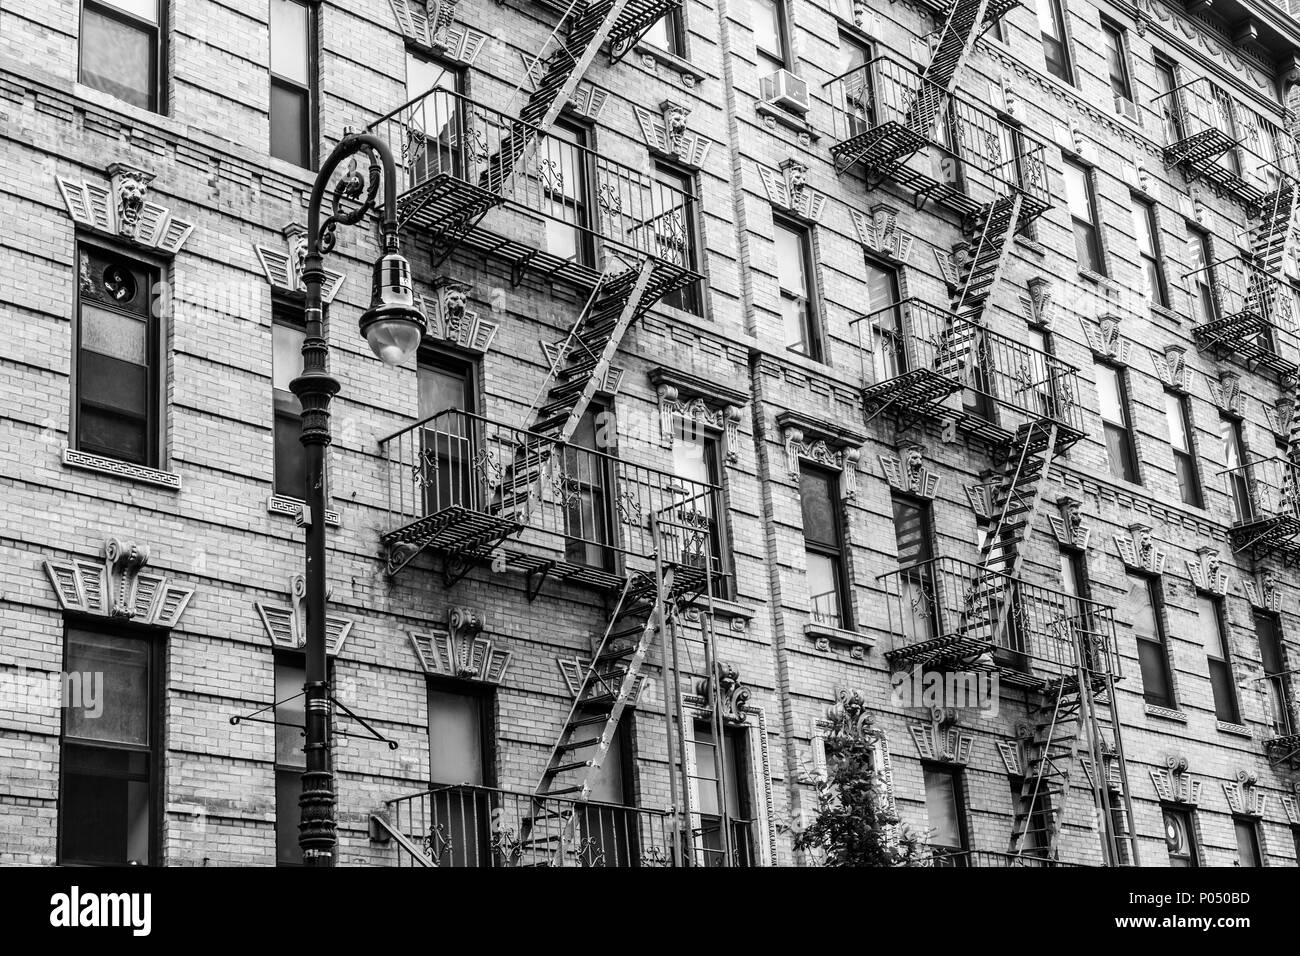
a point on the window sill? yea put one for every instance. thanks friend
(823, 636)
(289, 507)
(692, 75)
(85, 461)
(1165, 312)
(1237, 730)
(1031, 245)
(775, 115)
(1166, 713)
(1098, 279)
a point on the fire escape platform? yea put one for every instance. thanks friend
(455, 528)
(1243, 335)
(966, 652)
(1196, 156)
(1283, 749)
(877, 148)
(1269, 533)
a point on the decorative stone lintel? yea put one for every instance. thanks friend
(286, 627)
(823, 443)
(1244, 796)
(1264, 594)
(1226, 392)
(1039, 306)
(1207, 572)
(880, 232)
(1138, 551)
(824, 637)
(666, 133)
(733, 696)
(950, 745)
(1172, 368)
(1067, 523)
(283, 264)
(908, 472)
(431, 23)
(1174, 784)
(689, 398)
(1105, 339)
(122, 209)
(788, 188)
(118, 586)
(451, 321)
(460, 649)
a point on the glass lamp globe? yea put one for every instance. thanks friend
(393, 326)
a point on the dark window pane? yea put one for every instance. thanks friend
(118, 669)
(114, 385)
(455, 738)
(1225, 692)
(289, 139)
(118, 58)
(288, 787)
(1189, 487)
(1155, 673)
(1247, 843)
(911, 532)
(110, 433)
(290, 456)
(943, 809)
(1179, 840)
(290, 714)
(820, 514)
(106, 813)
(1119, 451)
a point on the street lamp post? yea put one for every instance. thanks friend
(393, 326)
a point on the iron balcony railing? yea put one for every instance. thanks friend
(1214, 137)
(1264, 489)
(917, 354)
(1243, 309)
(949, 857)
(949, 612)
(593, 506)
(472, 826)
(458, 157)
(884, 110)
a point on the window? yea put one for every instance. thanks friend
(1121, 85)
(767, 17)
(1083, 213)
(888, 351)
(1234, 464)
(1167, 100)
(587, 516)
(108, 804)
(1056, 54)
(1074, 573)
(1209, 621)
(857, 101)
(434, 145)
(673, 203)
(290, 761)
(1201, 275)
(912, 536)
(565, 185)
(446, 392)
(292, 82)
(668, 33)
(1275, 677)
(1114, 417)
(696, 459)
(1248, 849)
(708, 782)
(1145, 231)
(287, 333)
(1044, 373)
(944, 812)
(120, 50)
(798, 307)
(1180, 839)
(460, 752)
(117, 396)
(1153, 653)
(823, 536)
(1180, 438)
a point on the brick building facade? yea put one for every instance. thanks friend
(819, 258)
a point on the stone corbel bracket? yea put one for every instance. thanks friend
(666, 133)
(118, 586)
(122, 209)
(823, 443)
(286, 626)
(908, 472)
(1264, 594)
(1105, 339)
(451, 320)
(879, 232)
(1226, 392)
(1138, 551)
(1172, 368)
(689, 399)
(460, 649)
(1039, 306)
(283, 264)
(1244, 796)
(949, 745)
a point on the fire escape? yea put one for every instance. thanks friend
(536, 498)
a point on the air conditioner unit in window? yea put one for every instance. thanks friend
(1126, 107)
(785, 90)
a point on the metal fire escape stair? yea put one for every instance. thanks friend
(582, 361)
(966, 20)
(1271, 235)
(609, 685)
(996, 226)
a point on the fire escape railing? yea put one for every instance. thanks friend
(916, 356)
(1242, 309)
(1213, 137)
(1263, 491)
(586, 507)
(970, 156)
(943, 612)
(510, 188)
(472, 826)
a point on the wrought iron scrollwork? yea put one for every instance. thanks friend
(437, 843)
(351, 187)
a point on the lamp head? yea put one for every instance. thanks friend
(393, 325)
